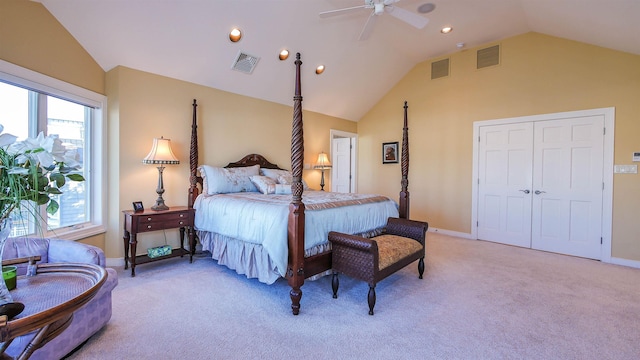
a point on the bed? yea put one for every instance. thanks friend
(260, 220)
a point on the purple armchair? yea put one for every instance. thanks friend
(88, 319)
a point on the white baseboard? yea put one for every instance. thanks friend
(451, 233)
(625, 262)
(115, 262)
(612, 260)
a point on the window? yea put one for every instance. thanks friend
(31, 103)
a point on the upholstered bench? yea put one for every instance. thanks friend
(372, 260)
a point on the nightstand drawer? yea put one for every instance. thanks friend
(167, 224)
(155, 218)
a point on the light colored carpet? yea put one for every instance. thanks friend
(478, 300)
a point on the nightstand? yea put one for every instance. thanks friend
(178, 217)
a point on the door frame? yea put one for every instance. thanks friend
(607, 168)
(333, 134)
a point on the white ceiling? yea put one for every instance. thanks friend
(188, 40)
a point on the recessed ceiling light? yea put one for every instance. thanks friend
(446, 29)
(235, 35)
(284, 54)
(320, 69)
(426, 8)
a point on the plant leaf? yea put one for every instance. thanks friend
(58, 178)
(75, 177)
(52, 207)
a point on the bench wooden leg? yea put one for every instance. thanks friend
(371, 298)
(335, 283)
(421, 267)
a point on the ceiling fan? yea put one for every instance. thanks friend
(380, 7)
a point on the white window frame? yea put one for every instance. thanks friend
(16, 75)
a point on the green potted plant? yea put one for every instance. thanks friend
(32, 172)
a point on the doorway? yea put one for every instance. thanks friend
(545, 182)
(344, 161)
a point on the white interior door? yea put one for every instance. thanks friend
(504, 192)
(341, 161)
(567, 186)
(540, 185)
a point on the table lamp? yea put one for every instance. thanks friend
(160, 154)
(322, 164)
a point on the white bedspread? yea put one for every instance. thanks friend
(262, 219)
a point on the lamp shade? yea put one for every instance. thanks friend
(323, 161)
(161, 153)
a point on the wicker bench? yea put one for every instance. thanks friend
(374, 259)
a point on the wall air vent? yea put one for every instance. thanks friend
(245, 63)
(488, 57)
(440, 69)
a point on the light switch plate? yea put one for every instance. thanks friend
(625, 169)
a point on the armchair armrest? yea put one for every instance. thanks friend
(407, 228)
(71, 251)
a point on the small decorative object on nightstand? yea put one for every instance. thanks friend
(176, 217)
(162, 155)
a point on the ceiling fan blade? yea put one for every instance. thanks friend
(407, 16)
(329, 13)
(368, 26)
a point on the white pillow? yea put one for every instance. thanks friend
(265, 185)
(227, 180)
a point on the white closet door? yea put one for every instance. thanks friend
(504, 184)
(567, 186)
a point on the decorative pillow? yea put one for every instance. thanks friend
(274, 173)
(287, 179)
(265, 185)
(283, 189)
(227, 180)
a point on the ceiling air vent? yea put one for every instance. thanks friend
(488, 57)
(245, 63)
(440, 69)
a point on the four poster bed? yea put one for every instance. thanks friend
(252, 218)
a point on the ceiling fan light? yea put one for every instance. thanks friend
(284, 54)
(235, 35)
(320, 69)
(446, 29)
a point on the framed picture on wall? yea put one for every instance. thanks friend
(390, 152)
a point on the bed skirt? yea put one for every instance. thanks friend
(251, 259)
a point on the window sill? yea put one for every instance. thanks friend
(77, 234)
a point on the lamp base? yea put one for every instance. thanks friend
(159, 207)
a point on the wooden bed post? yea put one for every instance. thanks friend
(295, 232)
(404, 193)
(193, 159)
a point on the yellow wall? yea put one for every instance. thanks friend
(230, 126)
(538, 74)
(32, 38)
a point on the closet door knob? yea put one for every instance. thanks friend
(538, 192)
(525, 191)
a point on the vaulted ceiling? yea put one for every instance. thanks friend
(188, 40)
